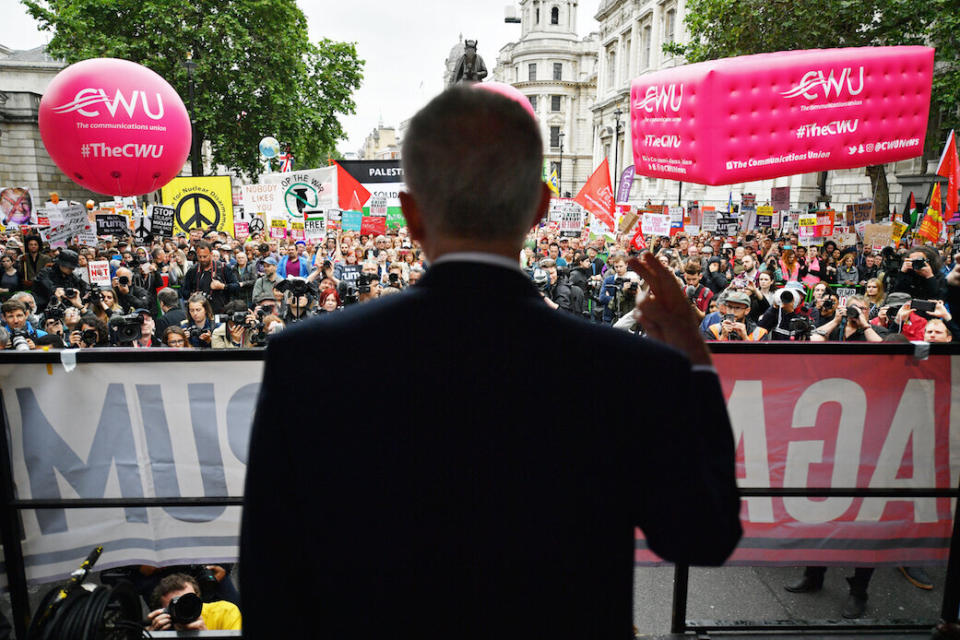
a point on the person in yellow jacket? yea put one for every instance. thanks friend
(736, 324)
(214, 616)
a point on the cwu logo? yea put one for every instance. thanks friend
(832, 85)
(89, 97)
(661, 98)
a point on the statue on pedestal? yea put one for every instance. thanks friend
(470, 67)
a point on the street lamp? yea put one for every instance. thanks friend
(616, 140)
(195, 166)
(560, 170)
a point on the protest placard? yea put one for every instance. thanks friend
(825, 221)
(87, 237)
(709, 219)
(780, 198)
(571, 220)
(351, 220)
(656, 224)
(899, 228)
(112, 224)
(877, 236)
(297, 230)
(241, 230)
(373, 225)
(315, 226)
(676, 219)
(378, 205)
(278, 228)
(350, 272)
(863, 211)
(161, 220)
(727, 225)
(748, 217)
(395, 219)
(748, 200)
(765, 217)
(259, 198)
(99, 272)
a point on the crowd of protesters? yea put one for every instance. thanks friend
(208, 290)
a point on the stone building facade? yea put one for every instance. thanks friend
(557, 71)
(24, 162)
(631, 38)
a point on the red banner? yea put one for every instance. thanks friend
(840, 421)
(373, 225)
(596, 196)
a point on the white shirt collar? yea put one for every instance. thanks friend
(478, 256)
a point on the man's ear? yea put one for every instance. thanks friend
(413, 216)
(542, 207)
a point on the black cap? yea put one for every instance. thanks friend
(68, 258)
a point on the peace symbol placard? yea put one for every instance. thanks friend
(200, 203)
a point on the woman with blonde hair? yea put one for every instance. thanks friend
(874, 295)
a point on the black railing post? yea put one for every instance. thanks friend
(681, 579)
(10, 533)
(951, 585)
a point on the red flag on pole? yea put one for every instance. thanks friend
(596, 196)
(931, 225)
(949, 168)
(350, 193)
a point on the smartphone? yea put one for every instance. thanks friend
(923, 305)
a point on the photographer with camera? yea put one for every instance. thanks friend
(850, 324)
(93, 332)
(236, 330)
(784, 319)
(920, 275)
(23, 336)
(736, 323)
(60, 276)
(559, 294)
(368, 285)
(199, 324)
(395, 276)
(263, 287)
(171, 311)
(177, 605)
(612, 287)
(698, 295)
(129, 295)
(825, 309)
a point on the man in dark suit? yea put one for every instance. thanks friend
(475, 503)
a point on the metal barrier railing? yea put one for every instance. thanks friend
(10, 505)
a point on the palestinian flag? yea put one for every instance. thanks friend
(911, 214)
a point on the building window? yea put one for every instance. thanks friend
(670, 23)
(554, 137)
(538, 15)
(532, 71)
(555, 16)
(611, 66)
(627, 56)
(554, 103)
(647, 37)
(533, 102)
(606, 152)
(558, 71)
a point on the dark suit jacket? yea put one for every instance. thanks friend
(472, 497)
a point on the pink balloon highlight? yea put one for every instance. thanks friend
(508, 92)
(115, 127)
(778, 114)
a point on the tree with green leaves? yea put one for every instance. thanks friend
(726, 28)
(253, 68)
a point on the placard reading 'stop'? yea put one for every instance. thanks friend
(777, 114)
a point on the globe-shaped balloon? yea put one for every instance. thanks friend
(269, 147)
(115, 127)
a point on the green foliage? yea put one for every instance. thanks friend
(256, 72)
(725, 28)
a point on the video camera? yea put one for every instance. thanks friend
(126, 328)
(348, 292)
(258, 337)
(787, 296)
(297, 287)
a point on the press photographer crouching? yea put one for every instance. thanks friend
(299, 297)
(177, 605)
(237, 328)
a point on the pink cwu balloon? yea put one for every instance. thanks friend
(115, 127)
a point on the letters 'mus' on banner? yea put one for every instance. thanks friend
(200, 203)
(779, 114)
(872, 421)
(382, 178)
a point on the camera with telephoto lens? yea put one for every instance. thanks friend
(69, 292)
(918, 264)
(801, 327)
(18, 338)
(195, 332)
(541, 278)
(54, 312)
(184, 609)
(237, 317)
(126, 328)
(827, 304)
(90, 337)
(123, 281)
(296, 287)
(348, 293)
(258, 338)
(364, 282)
(394, 279)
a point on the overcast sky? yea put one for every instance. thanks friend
(404, 44)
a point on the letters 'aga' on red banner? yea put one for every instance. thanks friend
(841, 421)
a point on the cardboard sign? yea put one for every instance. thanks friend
(627, 222)
(109, 224)
(877, 236)
(99, 272)
(259, 198)
(863, 211)
(656, 224)
(373, 225)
